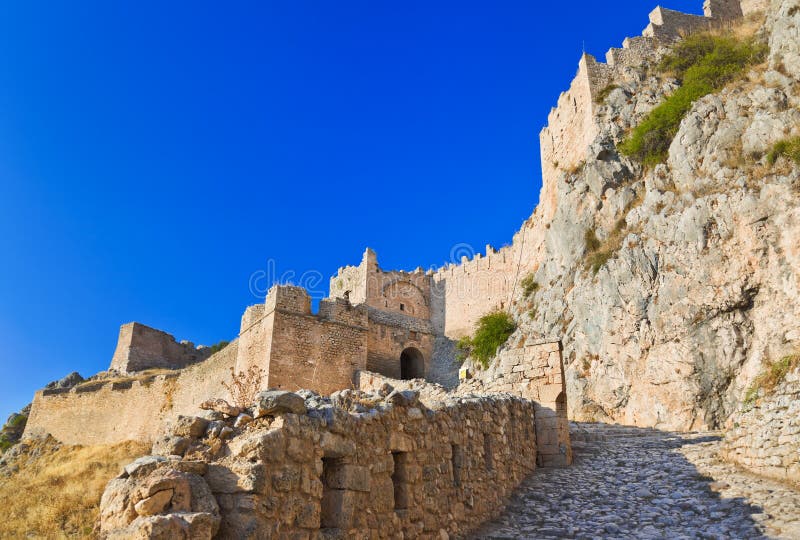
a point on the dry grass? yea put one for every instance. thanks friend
(57, 494)
(772, 376)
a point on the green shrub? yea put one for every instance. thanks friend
(529, 286)
(772, 377)
(491, 332)
(789, 148)
(705, 62)
(219, 346)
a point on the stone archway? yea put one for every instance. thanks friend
(412, 364)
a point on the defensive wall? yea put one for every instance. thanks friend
(135, 408)
(140, 347)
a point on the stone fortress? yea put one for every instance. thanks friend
(378, 327)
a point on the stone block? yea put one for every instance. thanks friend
(345, 476)
(337, 509)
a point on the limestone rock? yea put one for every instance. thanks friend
(221, 406)
(277, 402)
(161, 503)
(192, 427)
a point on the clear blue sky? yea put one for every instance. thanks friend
(154, 155)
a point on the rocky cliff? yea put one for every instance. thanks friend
(673, 284)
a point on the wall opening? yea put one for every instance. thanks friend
(331, 510)
(400, 480)
(456, 462)
(488, 455)
(412, 364)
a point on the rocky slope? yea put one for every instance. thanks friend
(703, 286)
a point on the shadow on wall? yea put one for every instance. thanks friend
(636, 477)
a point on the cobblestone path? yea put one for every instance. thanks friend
(641, 483)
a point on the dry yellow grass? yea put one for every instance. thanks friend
(57, 494)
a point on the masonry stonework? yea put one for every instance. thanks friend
(140, 347)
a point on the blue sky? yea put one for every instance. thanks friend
(156, 155)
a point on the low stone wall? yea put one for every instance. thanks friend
(398, 470)
(765, 437)
(140, 347)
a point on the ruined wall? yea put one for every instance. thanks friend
(108, 412)
(405, 293)
(754, 6)
(765, 436)
(255, 339)
(389, 335)
(403, 471)
(140, 347)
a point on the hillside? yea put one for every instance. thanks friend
(675, 279)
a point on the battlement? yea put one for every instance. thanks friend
(140, 347)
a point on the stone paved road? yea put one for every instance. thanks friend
(641, 483)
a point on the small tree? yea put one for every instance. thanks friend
(244, 386)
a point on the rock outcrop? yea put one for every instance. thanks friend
(702, 284)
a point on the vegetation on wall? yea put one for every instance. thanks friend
(219, 346)
(529, 286)
(245, 385)
(789, 148)
(599, 253)
(704, 62)
(771, 377)
(492, 331)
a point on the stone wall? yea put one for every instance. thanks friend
(402, 470)
(140, 347)
(112, 411)
(765, 437)
(534, 373)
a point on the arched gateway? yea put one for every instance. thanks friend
(412, 364)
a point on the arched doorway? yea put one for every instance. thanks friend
(412, 364)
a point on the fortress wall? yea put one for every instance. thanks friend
(316, 353)
(386, 342)
(140, 347)
(255, 339)
(112, 412)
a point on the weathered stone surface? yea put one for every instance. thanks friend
(162, 503)
(170, 445)
(192, 427)
(277, 402)
(221, 406)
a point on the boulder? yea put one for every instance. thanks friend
(277, 402)
(170, 445)
(192, 427)
(162, 503)
(221, 406)
(66, 382)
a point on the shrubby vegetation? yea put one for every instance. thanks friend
(219, 346)
(789, 148)
(770, 378)
(599, 253)
(704, 62)
(529, 286)
(491, 332)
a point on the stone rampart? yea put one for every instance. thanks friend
(112, 411)
(140, 347)
(765, 437)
